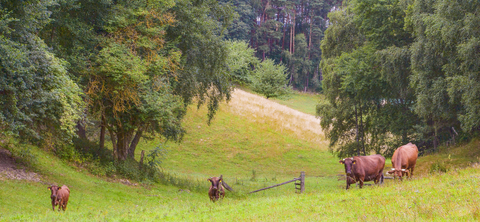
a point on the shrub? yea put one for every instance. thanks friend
(438, 167)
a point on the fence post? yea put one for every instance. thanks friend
(302, 182)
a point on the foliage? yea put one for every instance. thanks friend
(440, 65)
(37, 96)
(156, 156)
(269, 79)
(241, 60)
(139, 63)
(199, 36)
(272, 27)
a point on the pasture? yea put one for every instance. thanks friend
(251, 152)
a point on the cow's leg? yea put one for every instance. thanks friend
(361, 181)
(411, 172)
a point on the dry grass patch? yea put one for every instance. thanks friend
(261, 110)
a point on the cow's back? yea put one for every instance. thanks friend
(369, 165)
(64, 193)
(405, 156)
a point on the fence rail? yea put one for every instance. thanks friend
(299, 187)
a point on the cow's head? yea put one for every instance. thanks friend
(216, 181)
(348, 162)
(398, 173)
(54, 192)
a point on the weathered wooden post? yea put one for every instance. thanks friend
(300, 183)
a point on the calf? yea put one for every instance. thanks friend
(59, 196)
(364, 168)
(216, 190)
(404, 160)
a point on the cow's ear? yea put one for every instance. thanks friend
(354, 161)
(341, 161)
(209, 179)
(59, 188)
(49, 188)
(391, 171)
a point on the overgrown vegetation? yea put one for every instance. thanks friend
(397, 71)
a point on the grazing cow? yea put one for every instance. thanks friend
(216, 190)
(364, 168)
(404, 160)
(59, 196)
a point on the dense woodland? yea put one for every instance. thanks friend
(285, 31)
(399, 71)
(86, 71)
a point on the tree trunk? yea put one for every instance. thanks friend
(81, 132)
(114, 143)
(123, 140)
(134, 143)
(362, 132)
(102, 133)
(435, 141)
(356, 128)
(293, 35)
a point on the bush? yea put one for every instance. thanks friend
(270, 79)
(438, 167)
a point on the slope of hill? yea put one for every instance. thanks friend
(253, 148)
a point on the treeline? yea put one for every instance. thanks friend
(399, 71)
(287, 32)
(126, 69)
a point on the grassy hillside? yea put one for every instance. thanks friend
(445, 196)
(246, 136)
(252, 152)
(304, 102)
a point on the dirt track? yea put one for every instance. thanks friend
(8, 168)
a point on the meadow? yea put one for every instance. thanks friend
(252, 148)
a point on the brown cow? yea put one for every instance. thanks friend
(216, 190)
(59, 196)
(404, 160)
(364, 168)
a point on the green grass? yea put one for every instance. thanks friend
(234, 146)
(240, 148)
(304, 102)
(449, 196)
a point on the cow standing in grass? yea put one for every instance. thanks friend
(216, 190)
(364, 168)
(59, 196)
(404, 160)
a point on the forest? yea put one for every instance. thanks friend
(391, 71)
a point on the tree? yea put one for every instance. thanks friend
(241, 60)
(142, 63)
(269, 79)
(366, 69)
(434, 49)
(37, 97)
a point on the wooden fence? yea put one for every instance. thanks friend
(299, 184)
